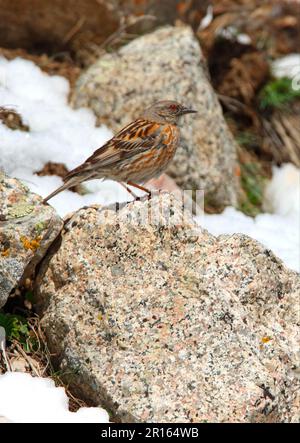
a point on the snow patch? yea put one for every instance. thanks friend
(278, 230)
(287, 66)
(27, 399)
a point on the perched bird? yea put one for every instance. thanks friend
(139, 152)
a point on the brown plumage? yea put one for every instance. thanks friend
(139, 152)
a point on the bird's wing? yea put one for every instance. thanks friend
(136, 137)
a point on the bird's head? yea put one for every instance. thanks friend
(167, 111)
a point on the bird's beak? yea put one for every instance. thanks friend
(188, 111)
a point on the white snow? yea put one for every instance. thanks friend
(282, 195)
(233, 34)
(287, 66)
(27, 399)
(207, 19)
(278, 230)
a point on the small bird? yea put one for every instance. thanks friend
(139, 152)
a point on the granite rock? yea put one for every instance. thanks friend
(159, 321)
(27, 229)
(167, 64)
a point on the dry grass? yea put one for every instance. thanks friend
(34, 358)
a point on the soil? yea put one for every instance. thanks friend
(12, 119)
(56, 64)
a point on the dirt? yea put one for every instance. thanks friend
(245, 76)
(56, 26)
(52, 168)
(59, 35)
(12, 119)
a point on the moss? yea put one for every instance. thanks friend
(253, 183)
(40, 227)
(277, 94)
(16, 328)
(247, 139)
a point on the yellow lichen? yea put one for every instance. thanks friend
(31, 244)
(265, 339)
(5, 253)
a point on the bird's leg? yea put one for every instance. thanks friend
(140, 187)
(129, 190)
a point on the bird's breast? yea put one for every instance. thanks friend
(156, 160)
(170, 140)
(153, 161)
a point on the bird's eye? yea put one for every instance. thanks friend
(173, 107)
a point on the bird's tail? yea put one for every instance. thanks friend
(73, 178)
(66, 185)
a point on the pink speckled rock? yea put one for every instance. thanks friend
(163, 322)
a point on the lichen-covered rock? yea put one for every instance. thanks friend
(162, 322)
(27, 229)
(167, 64)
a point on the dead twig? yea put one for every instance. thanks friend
(28, 359)
(236, 105)
(117, 38)
(289, 144)
(73, 31)
(2, 349)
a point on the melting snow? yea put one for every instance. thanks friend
(27, 399)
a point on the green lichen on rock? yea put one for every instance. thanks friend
(40, 227)
(20, 210)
